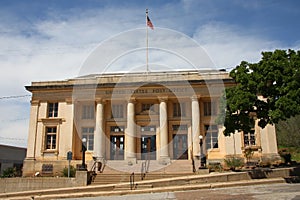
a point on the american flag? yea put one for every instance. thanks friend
(149, 23)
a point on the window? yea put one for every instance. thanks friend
(249, 138)
(52, 109)
(210, 108)
(178, 109)
(88, 134)
(179, 127)
(117, 111)
(211, 136)
(148, 107)
(88, 112)
(51, 137)
(148, 128)
(117, 129)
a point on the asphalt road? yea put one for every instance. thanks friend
(266, 192)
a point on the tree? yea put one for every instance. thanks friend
(288, 132)
(268, 91)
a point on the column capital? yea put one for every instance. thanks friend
(35, 102)
(163, 98)
(195, 97)
(131, 100)
(69, 100)
(100, 101)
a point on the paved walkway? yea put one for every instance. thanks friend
(266, 192)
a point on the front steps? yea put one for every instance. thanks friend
(120, 171)
(175, 166)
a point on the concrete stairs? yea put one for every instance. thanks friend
(175, 166)
(120, 171)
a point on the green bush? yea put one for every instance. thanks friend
(72, 171)
(215, 167)
(248, 153)
(286, 155)
(234, 163)
(9, 172)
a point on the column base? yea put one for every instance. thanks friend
(131, 161)
(164, 160)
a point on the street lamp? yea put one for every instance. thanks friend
(202, 157)
(83, 154)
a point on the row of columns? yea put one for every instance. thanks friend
(130, 131)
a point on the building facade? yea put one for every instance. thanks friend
(12, 157)
(128, 118)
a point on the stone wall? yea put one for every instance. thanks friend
(8, 185)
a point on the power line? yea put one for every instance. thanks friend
(14, 120)
(15, 96)
(10, 138)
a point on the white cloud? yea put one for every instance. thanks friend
(228, 46)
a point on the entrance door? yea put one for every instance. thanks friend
(148, 147)
(180, 147)
(117, 147)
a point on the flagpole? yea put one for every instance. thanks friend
(147, 67)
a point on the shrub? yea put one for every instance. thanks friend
(9, 172)
(233, 163)
(248, 153)
(286, 155)
(215, 167)
(72, 171)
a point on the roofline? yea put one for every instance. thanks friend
(14, 147)
(100, 85)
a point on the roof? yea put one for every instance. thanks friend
(155, 77)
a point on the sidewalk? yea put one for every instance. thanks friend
(150, 190)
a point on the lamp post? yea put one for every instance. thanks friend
(83, 154)
(202, 158)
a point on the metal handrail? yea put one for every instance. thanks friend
(132, 181)
(193, 161)
(93, 169)
(143, 170)
(147, 165)
(103, 165)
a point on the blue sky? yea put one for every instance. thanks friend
(49, 40)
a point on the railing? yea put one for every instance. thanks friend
(93, 169)
(98, 166)
(193, 161)
(145, 166)
(132, 181)
(143, 170)
(102, 166)
(148, 162)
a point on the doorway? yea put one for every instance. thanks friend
(180, 146)
(148, 147)
(117, 147)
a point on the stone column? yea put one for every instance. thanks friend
(29, 162)
(99, 136)
(31, 145)
(195, 127)
(130, 133)
(163, 127)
